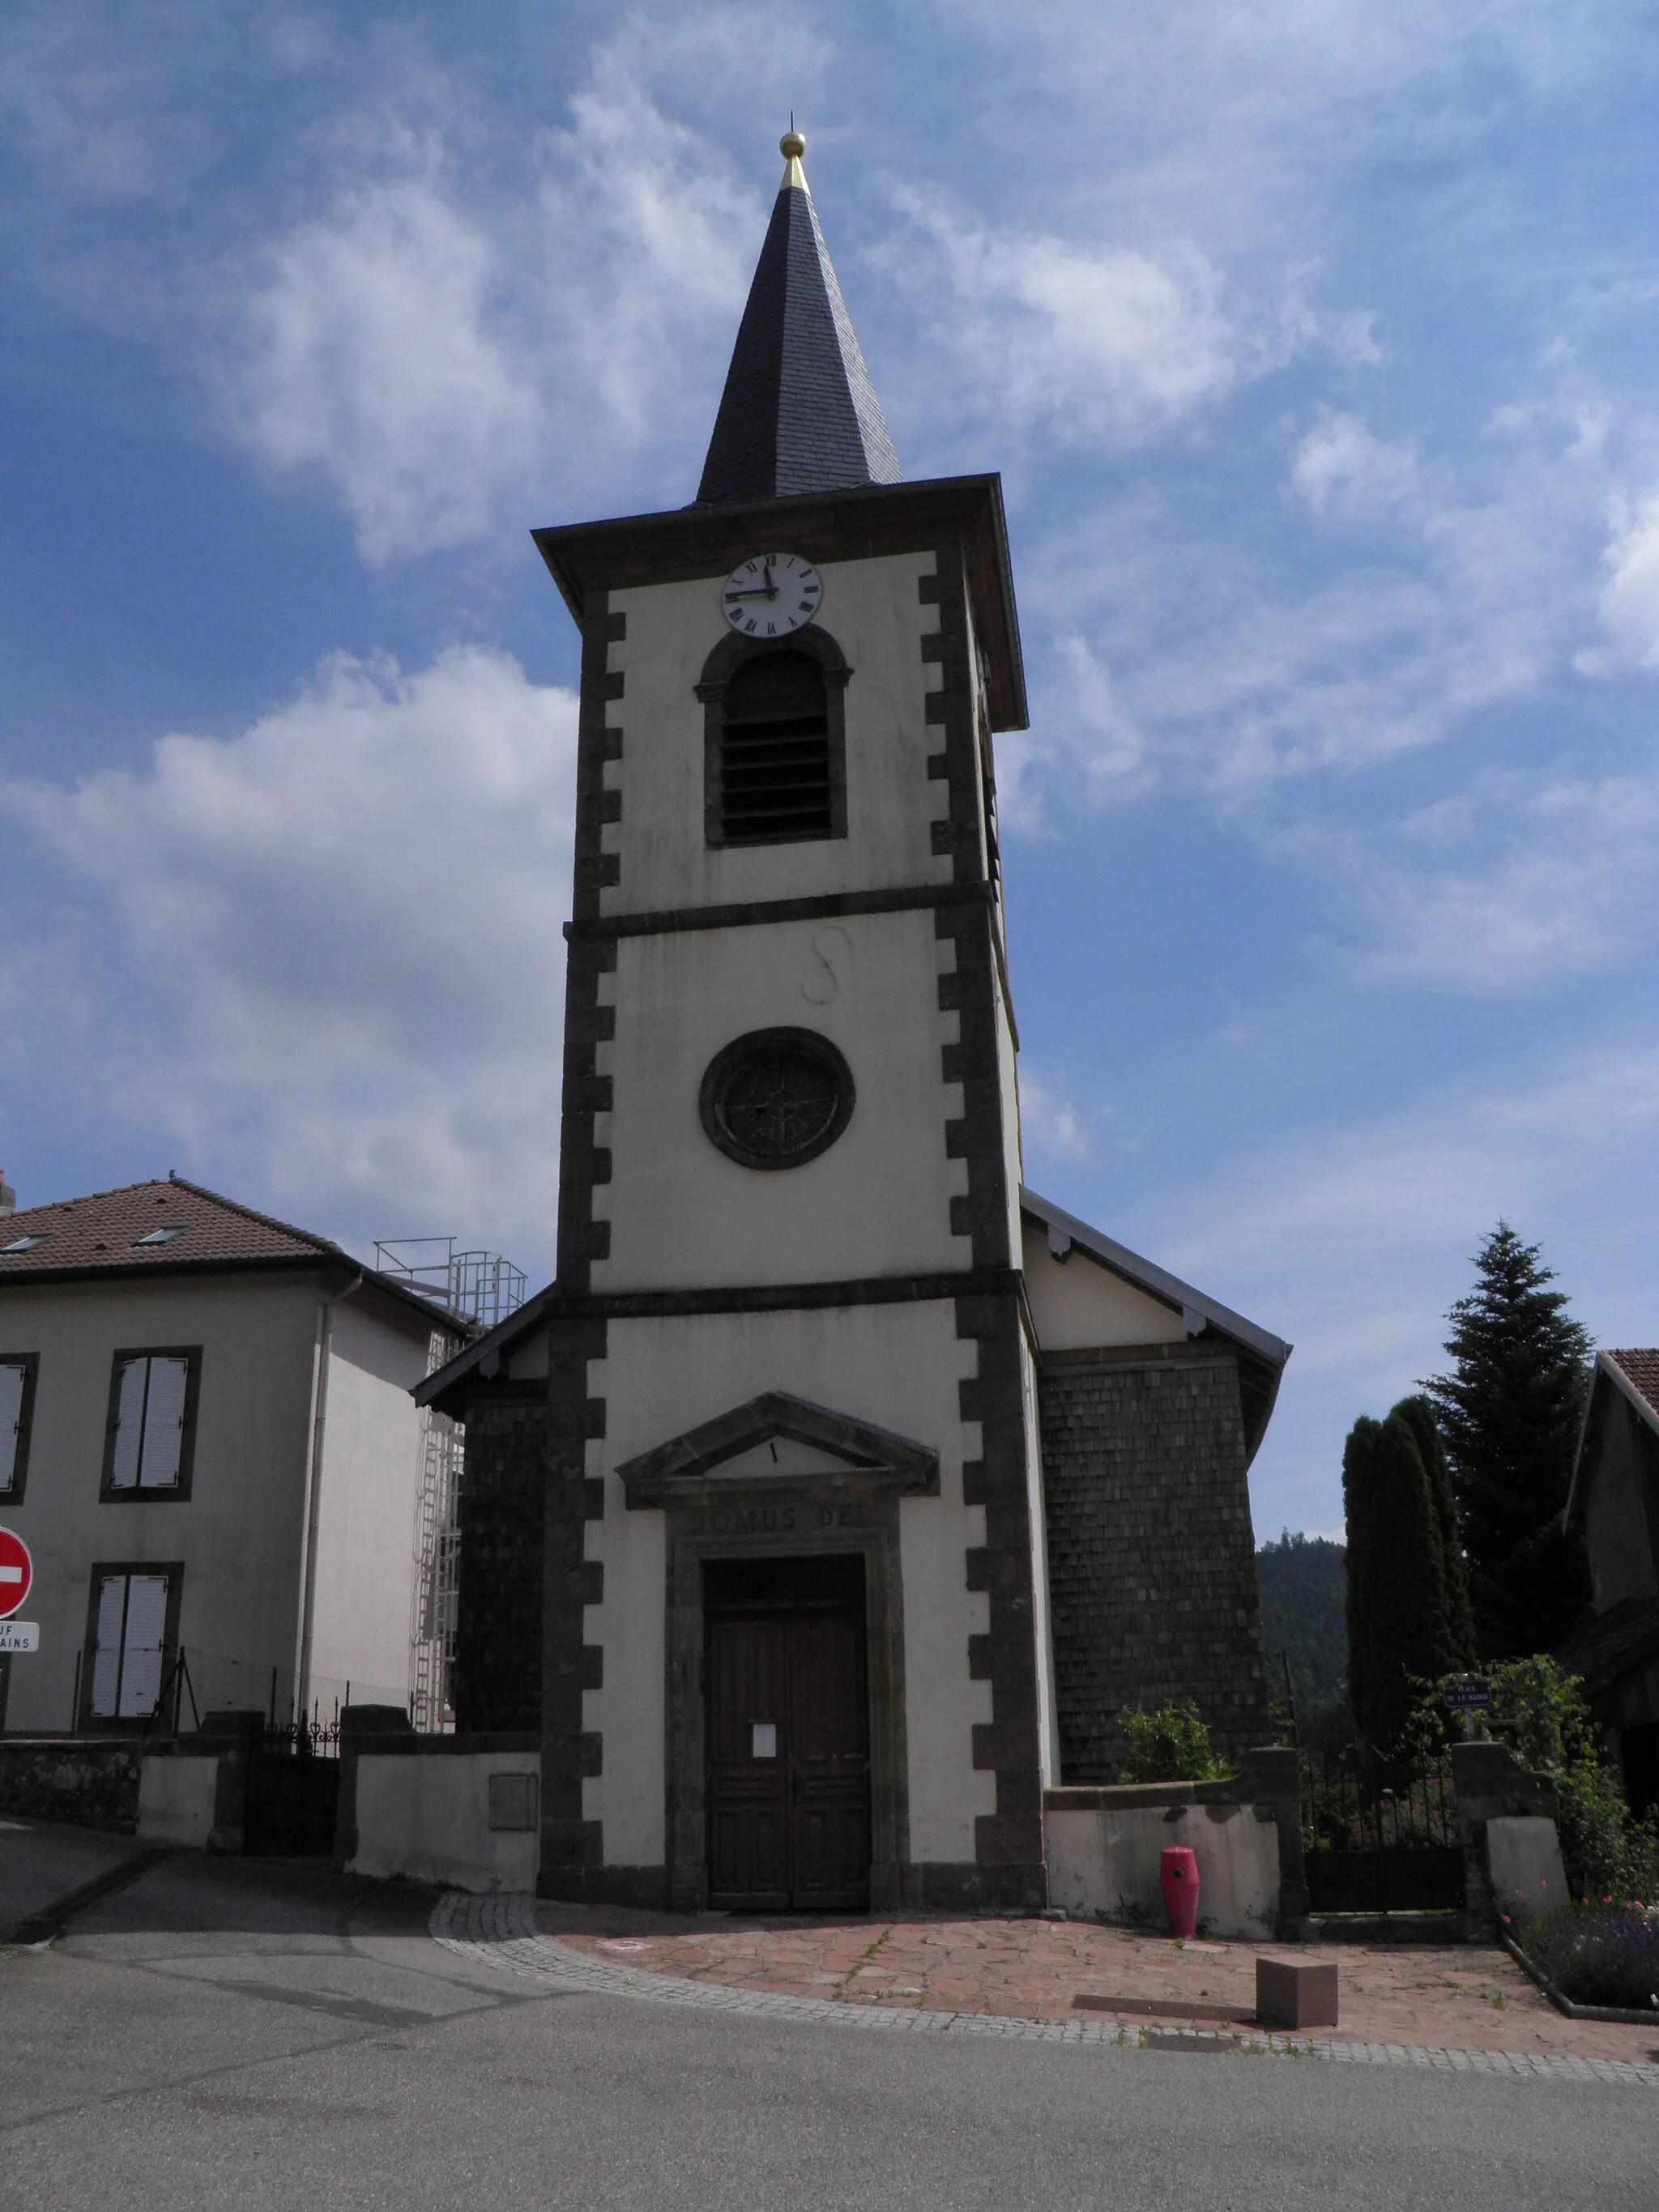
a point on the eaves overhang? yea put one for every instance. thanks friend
(864, 521)
(1606, 1372)
(1262, 1356)
(340, 1262)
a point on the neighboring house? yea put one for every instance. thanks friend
(207, 1443)
(1614, 1500)
(835, 1496)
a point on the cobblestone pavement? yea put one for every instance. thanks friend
(1017, 1978)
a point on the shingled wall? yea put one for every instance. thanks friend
(498, 1638)
(1152, 1558)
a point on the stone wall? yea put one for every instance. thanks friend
(498, 1640)
(1152, 1558)
(91, 1781)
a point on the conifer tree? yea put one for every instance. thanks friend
(1358, 1511)
(1510, 1412)
(1417, 1412)
(1404, 1626)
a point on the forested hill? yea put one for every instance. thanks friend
(1304, 1583)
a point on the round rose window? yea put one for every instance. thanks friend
(776, 1098)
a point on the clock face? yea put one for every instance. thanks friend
(771, 595)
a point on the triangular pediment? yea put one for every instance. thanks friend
(779, 1441)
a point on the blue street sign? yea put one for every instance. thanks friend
(1468, 1696)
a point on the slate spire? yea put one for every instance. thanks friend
(798, 413)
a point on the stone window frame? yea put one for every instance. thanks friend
(173, 1493)
(11, 1493)
(732, 654)
(730, 1057)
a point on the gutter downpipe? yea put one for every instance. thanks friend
(321, 1346)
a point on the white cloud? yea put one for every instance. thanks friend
(371, 355)
(428, 349)
(1572, 887)
(1630, 597)
(1085, 340)
(1340, 460)
(1051, 1126)
(336, 970)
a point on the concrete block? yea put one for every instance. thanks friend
(176, 1801)
(1291, 1994)
(1524, 1855)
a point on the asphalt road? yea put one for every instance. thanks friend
(228, 2034)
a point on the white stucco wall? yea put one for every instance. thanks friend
(877, 1202)
(1077, 1304)
(238, 1533)
(426, 1816)
(1105, 1864)
(898, 1366)
(874, 612)
(176, 1801)
(366, 1496)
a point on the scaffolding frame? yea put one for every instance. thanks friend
(481, 1288)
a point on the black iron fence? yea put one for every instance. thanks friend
(1380, 1835)
(316, 1738)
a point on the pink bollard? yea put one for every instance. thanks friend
(1178, 1880)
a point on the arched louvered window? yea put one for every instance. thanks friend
(774, 775)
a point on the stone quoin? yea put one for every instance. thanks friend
(825, 1508)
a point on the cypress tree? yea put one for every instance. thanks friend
(1510, 1412)
(1401, 1613)
(1417, 1412)
(1358, 1504)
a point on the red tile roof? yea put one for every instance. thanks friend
(80, 1235)
(1641, 1371)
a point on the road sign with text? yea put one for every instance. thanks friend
(1468, 1696)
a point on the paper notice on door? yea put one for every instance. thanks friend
(763, 1742)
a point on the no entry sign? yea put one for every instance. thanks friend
(16, 1572)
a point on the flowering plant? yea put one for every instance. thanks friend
(1600, 1953)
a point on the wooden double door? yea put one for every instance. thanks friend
(788, 1734)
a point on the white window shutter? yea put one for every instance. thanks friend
(129, 1425)
(140, 1667)
(164, 1423)
(107, 1654)
(11, 1422)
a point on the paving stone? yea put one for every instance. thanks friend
(1029, 1970)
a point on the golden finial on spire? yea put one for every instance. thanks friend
(792, 146)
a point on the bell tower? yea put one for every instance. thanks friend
(838, 1492)
(786, 1359)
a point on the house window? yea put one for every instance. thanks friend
(152, 1422)
(775, 784)
(131, 1633)
(17, 1371)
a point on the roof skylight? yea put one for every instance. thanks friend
(159, 1237)
(26, 1243)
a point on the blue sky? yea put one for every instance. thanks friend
(1314, 344)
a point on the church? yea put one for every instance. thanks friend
(831, 1503)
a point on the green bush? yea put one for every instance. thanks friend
(1539, 1713)
(1171, 1744)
